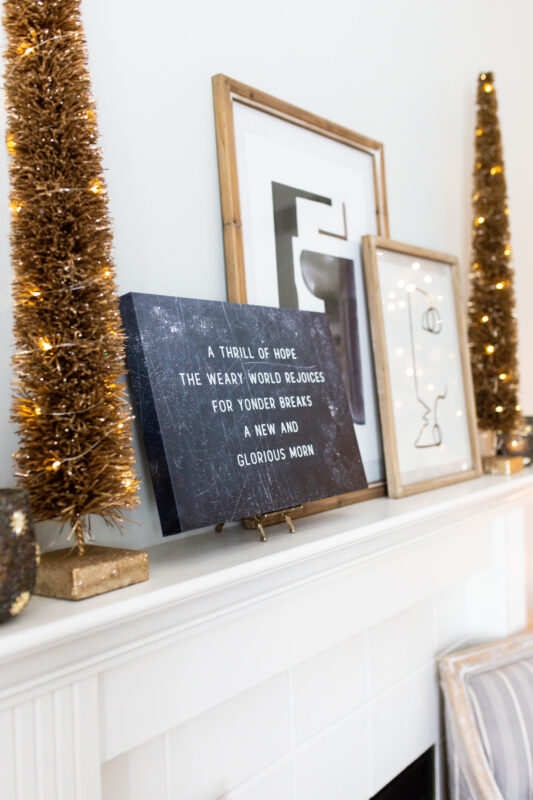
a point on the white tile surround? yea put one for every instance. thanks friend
(302, 668)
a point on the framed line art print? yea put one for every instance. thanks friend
(423, 368)
(297, 194)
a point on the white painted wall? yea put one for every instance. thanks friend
(403, 73)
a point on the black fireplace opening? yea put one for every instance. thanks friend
(416, 782)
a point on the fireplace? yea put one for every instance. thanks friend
(416, 782)
(304, 668)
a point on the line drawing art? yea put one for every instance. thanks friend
(430, 434)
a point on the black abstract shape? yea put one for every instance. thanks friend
(285, 228)
(332, 279)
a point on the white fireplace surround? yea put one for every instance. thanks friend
(300, 668)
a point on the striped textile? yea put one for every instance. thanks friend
(502, 700)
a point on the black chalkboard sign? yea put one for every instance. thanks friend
(242, 408)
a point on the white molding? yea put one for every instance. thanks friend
(201, 579)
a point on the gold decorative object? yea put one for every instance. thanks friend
(502, 465)
(67, 575)
(75, 455)
(19, 552)
(259, 521)
(493, 332)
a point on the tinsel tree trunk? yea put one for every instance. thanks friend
(493, 327)
(75, 455)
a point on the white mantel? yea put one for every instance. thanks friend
(303, 667)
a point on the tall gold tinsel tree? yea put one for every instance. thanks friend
(75, 455)
(493, 328)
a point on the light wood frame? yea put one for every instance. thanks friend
(394, 480)
(226, 92)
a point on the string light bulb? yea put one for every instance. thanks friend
(485, 318)
(503, 376)
(495, 170)
(479, 131)
(15, 207)
(45, 344)
(52, 465)
(96, 187)
(480, 220)
(25, 49)
(489, 349)
(11, 144)
(500, 284)
(499, 409)
(507, 251)
(518, 407)
(488, 87)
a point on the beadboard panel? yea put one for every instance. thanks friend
(7, 753)
(52, 747)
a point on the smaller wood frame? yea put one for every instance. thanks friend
(396, 488)
(226, 92)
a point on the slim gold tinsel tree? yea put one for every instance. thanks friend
(493, 327)
(75, 455)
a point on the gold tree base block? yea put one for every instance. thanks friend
(502, 465)
(67, 575)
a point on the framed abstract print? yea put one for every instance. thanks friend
(297, 194)
(423, 368)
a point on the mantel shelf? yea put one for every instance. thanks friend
(200, 575)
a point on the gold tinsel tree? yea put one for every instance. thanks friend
(75, 455)
(493, 327)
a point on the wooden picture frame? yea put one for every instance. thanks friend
(382, 296)
(227, 93)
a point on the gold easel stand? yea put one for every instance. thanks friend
(494, 464)
(67, 575)
(259, 521)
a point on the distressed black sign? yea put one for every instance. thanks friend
(242, 408)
